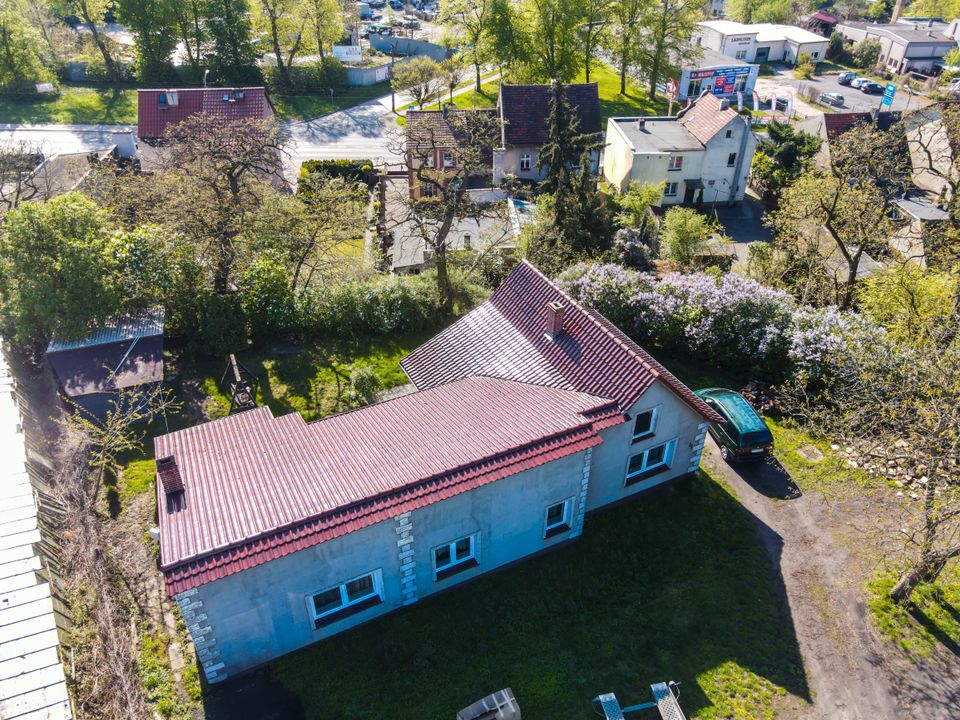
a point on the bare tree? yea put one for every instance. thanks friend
(421, 77)
(22, 175)
(900, 407)
(444, 151)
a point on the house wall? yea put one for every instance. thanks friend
(729, 183)
(618, 157)
(246, 619)
(676, 420)
(506, 161)
(816, 50)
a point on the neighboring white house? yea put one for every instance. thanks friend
(530, 410)
(702, 155)
(719, 74)
(761, 42)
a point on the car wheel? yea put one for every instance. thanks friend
(724, 453)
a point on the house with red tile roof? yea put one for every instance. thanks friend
(529, 411)
(524, 111)
(158, 109)
(702, 155)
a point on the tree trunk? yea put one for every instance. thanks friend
(623, 65)
(281, 67)
(476, 66)
(101, 45)
(927, 569)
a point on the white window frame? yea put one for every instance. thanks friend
(654, 418)
(566, 521)
(345, 602)
(675, 163)
(670, 447)
(671, 189)
(428, 161)
(741, 55)
(474, 555)
(526, 162)
(448, 158)
(694, 87)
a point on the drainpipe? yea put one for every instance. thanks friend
(739, 167)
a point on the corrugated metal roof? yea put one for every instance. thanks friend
(505, 337)
(259, 487)
(32, 681)
(124, 326)
(154, 118)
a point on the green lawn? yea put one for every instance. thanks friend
(636, 101)
(74, 105)
(304, 106)
(689, 597)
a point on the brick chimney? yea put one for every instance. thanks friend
(897, 11)
(556, 311)
(169, 474)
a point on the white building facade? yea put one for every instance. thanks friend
(762, 42)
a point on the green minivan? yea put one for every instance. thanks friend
(743, 436)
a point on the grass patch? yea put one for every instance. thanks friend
(303, 106)
(635, 101)
(931, 620)
(153, 667)
(137, 478)
(74, 105)
(595, 616)
(827, 471)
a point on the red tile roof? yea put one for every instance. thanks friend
(152, 119)
(524, 110)
(706, 116)
(836, 124)
(258, 487)
(505, 337)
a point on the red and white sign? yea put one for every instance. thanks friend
(672, 89)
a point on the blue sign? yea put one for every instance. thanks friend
(886, 100)
(890, 90)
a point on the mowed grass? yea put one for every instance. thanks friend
(636, 100)
(74, 105)
(673, 585)
(303, 106)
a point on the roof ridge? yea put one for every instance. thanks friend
(613, 336)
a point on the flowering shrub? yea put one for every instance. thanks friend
(727, 319)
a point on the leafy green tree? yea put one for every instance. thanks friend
(757, 11)
(57, 274)
(452, 73)
(866, 54)
(912, 303)
(584, 218)
(471, 18)
(624, 36)
(880, 11)
(805, 67)
(554, 38)
(421, 77)
(155, 37)
(666, 29)
(285, 23)
(947, 9)
(836, 48)
(265, 296)
(506, 35)
(684, 237)
(91, 12)
(781, 157)
(634, 204)
(232, 58)
(327, 21)
(593, 33)
(189, 21)
(20, 64)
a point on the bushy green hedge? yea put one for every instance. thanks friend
(353, 170)
(323, 75)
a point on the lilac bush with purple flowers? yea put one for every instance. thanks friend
(726, 319)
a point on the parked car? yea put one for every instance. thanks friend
(377, 3)
(377, 29)
(857, 82)
(396, 4)
(845, 78)
(871, 88)
(743, 436)
(781, 103)
(829, 98)
(411, 24)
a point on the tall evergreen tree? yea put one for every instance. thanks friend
(566, 143)
(232, 58)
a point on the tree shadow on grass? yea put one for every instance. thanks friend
(674, 585)
(934, 629)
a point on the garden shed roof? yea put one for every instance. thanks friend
(257, 487)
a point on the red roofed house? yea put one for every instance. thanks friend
(524, 111)
(158, 109)
(531, 410)
(702, 155)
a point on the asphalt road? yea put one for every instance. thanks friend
(854, 100)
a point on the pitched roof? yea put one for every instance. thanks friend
(439, 128)
(119, 327)
(706, 116)
(505, 337)
(258, 487)
(153, 118)
(524, 110)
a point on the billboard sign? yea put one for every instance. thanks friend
(347, 53)
(724, 79)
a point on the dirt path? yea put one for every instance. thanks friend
(842, 656)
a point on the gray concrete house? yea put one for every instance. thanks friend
(524, 110)
(906, 46)
(530, 411)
